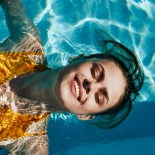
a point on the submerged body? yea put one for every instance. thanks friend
(29, 90)
(23, 122)
(20, 96)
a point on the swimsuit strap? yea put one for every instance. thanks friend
(16, 63)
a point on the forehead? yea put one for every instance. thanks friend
(114, 79)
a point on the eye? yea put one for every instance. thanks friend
(99, 98)
(97, 72)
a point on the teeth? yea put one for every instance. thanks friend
(77, 89)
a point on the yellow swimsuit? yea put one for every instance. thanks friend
(14, 125)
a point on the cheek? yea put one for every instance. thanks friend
(90, 106)
(84, 71)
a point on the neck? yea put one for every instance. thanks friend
(38, 86)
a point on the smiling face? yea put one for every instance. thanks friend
(90, 87)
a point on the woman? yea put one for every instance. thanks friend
(101, 84)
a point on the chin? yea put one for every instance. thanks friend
(67, 101)
(64, 91)
(63, 94)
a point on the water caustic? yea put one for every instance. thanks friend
(132, 23)
(67, 34)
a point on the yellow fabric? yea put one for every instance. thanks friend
(17, 63)
(14, 125)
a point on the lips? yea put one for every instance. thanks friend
(80, 87)
(76, 88)
(73, 90)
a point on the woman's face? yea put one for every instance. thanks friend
(90, 87)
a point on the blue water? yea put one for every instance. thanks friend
(67, 29)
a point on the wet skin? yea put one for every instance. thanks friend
(90, 87)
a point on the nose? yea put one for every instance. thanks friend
(89, 86)
(86, 85)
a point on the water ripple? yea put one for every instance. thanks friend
(67, 29)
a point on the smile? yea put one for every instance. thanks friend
(76, 88)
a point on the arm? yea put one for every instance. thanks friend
(24, 36)
(16, 19)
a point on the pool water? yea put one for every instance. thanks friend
(67, 29)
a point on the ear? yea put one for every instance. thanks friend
(85, 117)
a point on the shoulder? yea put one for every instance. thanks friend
(25, 42)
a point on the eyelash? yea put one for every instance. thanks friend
(93, 73)
(97, 98)
(100, 77)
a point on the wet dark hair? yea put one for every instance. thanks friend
(133, 71)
